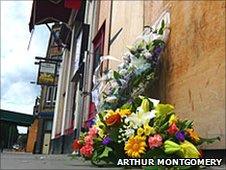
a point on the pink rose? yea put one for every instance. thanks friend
(88, 140)
(93, 131)
(155, 141)
(87, 151)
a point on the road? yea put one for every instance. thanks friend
(19, 160)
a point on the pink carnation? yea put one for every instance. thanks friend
(87, 151)
(155, 141)
(93, 131)
(88, 140)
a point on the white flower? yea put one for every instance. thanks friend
(123, 72)
(140, 117)
(138, 62)
(154, 101)
(111, 99)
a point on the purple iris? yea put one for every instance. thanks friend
(90, 123)
(180, 136)
(106, 140)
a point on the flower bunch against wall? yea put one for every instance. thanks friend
(131, 125)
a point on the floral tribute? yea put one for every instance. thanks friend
(131, 125)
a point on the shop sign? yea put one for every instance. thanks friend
(47, 73)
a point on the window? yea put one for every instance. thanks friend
(51, 95)
(48, 125)
(98, 48)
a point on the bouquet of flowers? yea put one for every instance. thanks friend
(131, 125)
(141, 128)
(137, 71)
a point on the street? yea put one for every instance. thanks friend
(19, 160)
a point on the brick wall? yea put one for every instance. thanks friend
(33, 130)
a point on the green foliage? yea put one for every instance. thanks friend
(162, 27)
(116, 75)
(208, 141)
(186, 124)
(164, 109)
(127, 106)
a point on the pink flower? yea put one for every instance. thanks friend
(172, 129)
(87, 151)
(88, 140)
(93, 131)
(155, 141)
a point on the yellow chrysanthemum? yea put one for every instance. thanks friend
(135, 146)
(140, 131)
(124, 112)
(173, 119)
(148, 130)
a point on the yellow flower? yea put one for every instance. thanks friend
(173, 119)
(135, 146)
(140, 131)
(100, 126)
(109, 113)
(145, 105)
(148, 130)
(101, 133)
(124, 112)
(188, 150)
(193, 134)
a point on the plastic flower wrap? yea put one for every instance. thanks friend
(130, 125)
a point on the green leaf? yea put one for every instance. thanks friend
(158, 42)
(162, 27)
(116, 75)
(157, 152)
(210, 140)
(126, 106)
(186, 124)
(164, 109)
(105, 152)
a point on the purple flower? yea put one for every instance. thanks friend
(90, 123)
(158, 50)
(106, 140)
(180, 135)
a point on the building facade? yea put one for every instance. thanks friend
(40, 132)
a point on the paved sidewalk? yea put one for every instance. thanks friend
(18, 160)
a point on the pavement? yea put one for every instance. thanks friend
(21, 160)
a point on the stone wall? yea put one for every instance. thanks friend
(193, 69)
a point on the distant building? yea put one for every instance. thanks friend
(40, 131)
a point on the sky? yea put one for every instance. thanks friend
(17, 62)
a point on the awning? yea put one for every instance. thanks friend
(16, 118)
(47, 11)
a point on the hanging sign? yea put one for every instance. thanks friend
(47, 73)
(55, 51)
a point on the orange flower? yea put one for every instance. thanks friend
(76, 145)
(193, 134)
(113, 119)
